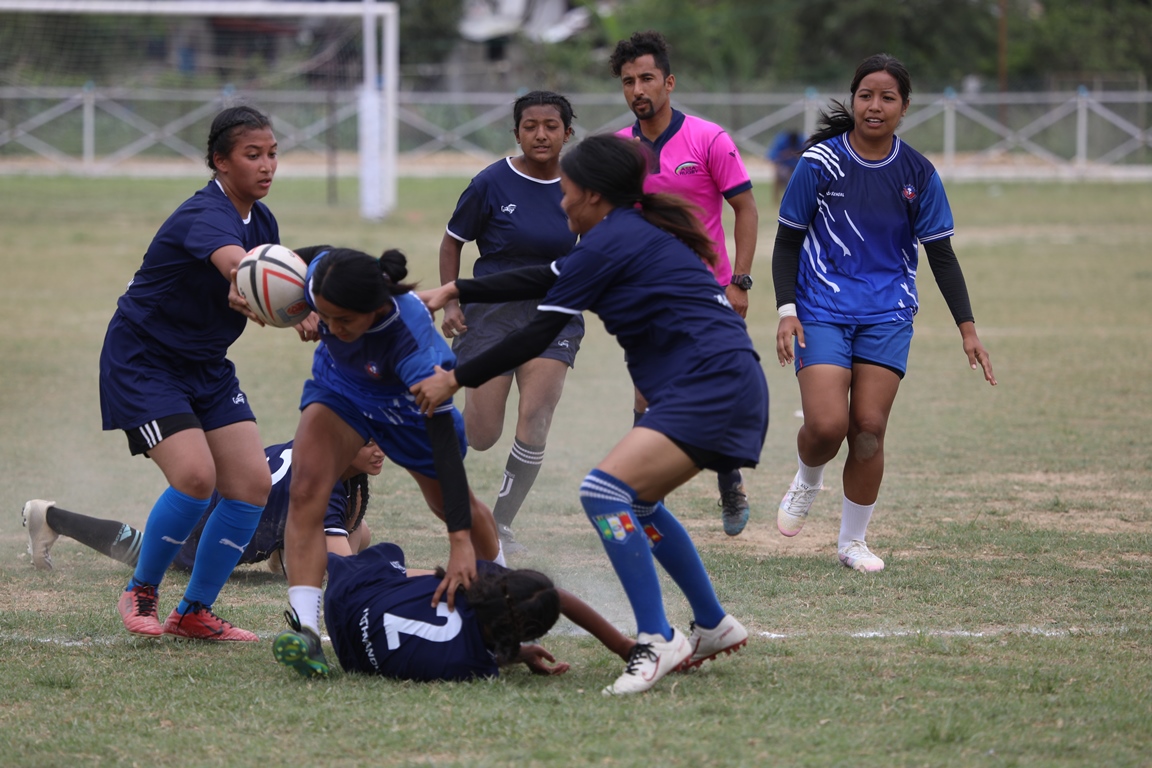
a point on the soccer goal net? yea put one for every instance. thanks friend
(130, 86)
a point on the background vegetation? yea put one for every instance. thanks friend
(719, 45)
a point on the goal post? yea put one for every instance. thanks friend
(377, 101)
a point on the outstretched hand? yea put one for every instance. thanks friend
(437, 298)
(461, 570)
(536, 658)
(434, 390)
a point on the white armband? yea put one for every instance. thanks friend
(786, 310)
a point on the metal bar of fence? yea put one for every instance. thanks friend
(464, 122)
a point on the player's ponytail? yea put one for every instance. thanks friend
(837, 119)
(513, 607)
(358, 282)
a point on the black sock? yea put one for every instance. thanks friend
(519, 474)
(727, 481)
(117, 540)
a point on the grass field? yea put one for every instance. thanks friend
(1012, 626)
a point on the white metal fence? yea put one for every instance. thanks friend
(93, 131)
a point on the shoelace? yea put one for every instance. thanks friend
(206, 615)
(730, 496)
(293, 620)
(145, 601)
(640, 652)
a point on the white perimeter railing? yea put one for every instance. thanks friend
(105, 131)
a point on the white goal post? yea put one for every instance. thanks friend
(378, 104)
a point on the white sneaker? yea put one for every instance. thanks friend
(727, 637)
(41, 537)
(858, 557)
(650, 660)
(793, 509)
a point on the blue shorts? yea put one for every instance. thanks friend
(401, 434)
(140, 381)
(883, 344)
(489, 324)
(720, 407)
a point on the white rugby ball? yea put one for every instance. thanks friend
(271, 280)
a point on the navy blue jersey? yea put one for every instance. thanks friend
(864, 221)
(376, 370)
(339, 519)
(178, 297)
(654, 294)
(515, 220)
(381, 622)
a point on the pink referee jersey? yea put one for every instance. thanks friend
(698, 161)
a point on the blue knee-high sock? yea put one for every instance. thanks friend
(227, 533)
(673, 549)
(172, 518)
(608, 504)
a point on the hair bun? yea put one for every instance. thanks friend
(394, 264)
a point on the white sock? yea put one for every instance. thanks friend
(853, 522)
(811, 476)
(306, 602)
(500, 555)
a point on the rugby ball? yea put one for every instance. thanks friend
(271, 280)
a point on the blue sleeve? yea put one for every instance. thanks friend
(934, 219)
(431, 349)
(471, 214)
(799, 202)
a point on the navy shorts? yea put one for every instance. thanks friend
(883, 344)
(489, 324)
(140, 382)
(719, 408)
(401, 434)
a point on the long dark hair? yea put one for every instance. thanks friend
(838, 118)
(227, 125)
(615, 167)
(543, 99)
(358, 282)
(512, 607)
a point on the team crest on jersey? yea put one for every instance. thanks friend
(615, 527)
(239, 398)
(372, 369)
(909, 192)
(508, 208)
(689, 168)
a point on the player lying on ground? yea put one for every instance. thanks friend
(382, 620)
(343, 522)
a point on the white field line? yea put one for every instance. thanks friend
(867, 634)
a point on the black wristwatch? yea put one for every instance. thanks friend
(743, 282)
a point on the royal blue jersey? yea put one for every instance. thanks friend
(515, 220)
(865, 221)
(653, 293)
(269, 535)
(379, 367)
(178, 296)
(382, 622)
